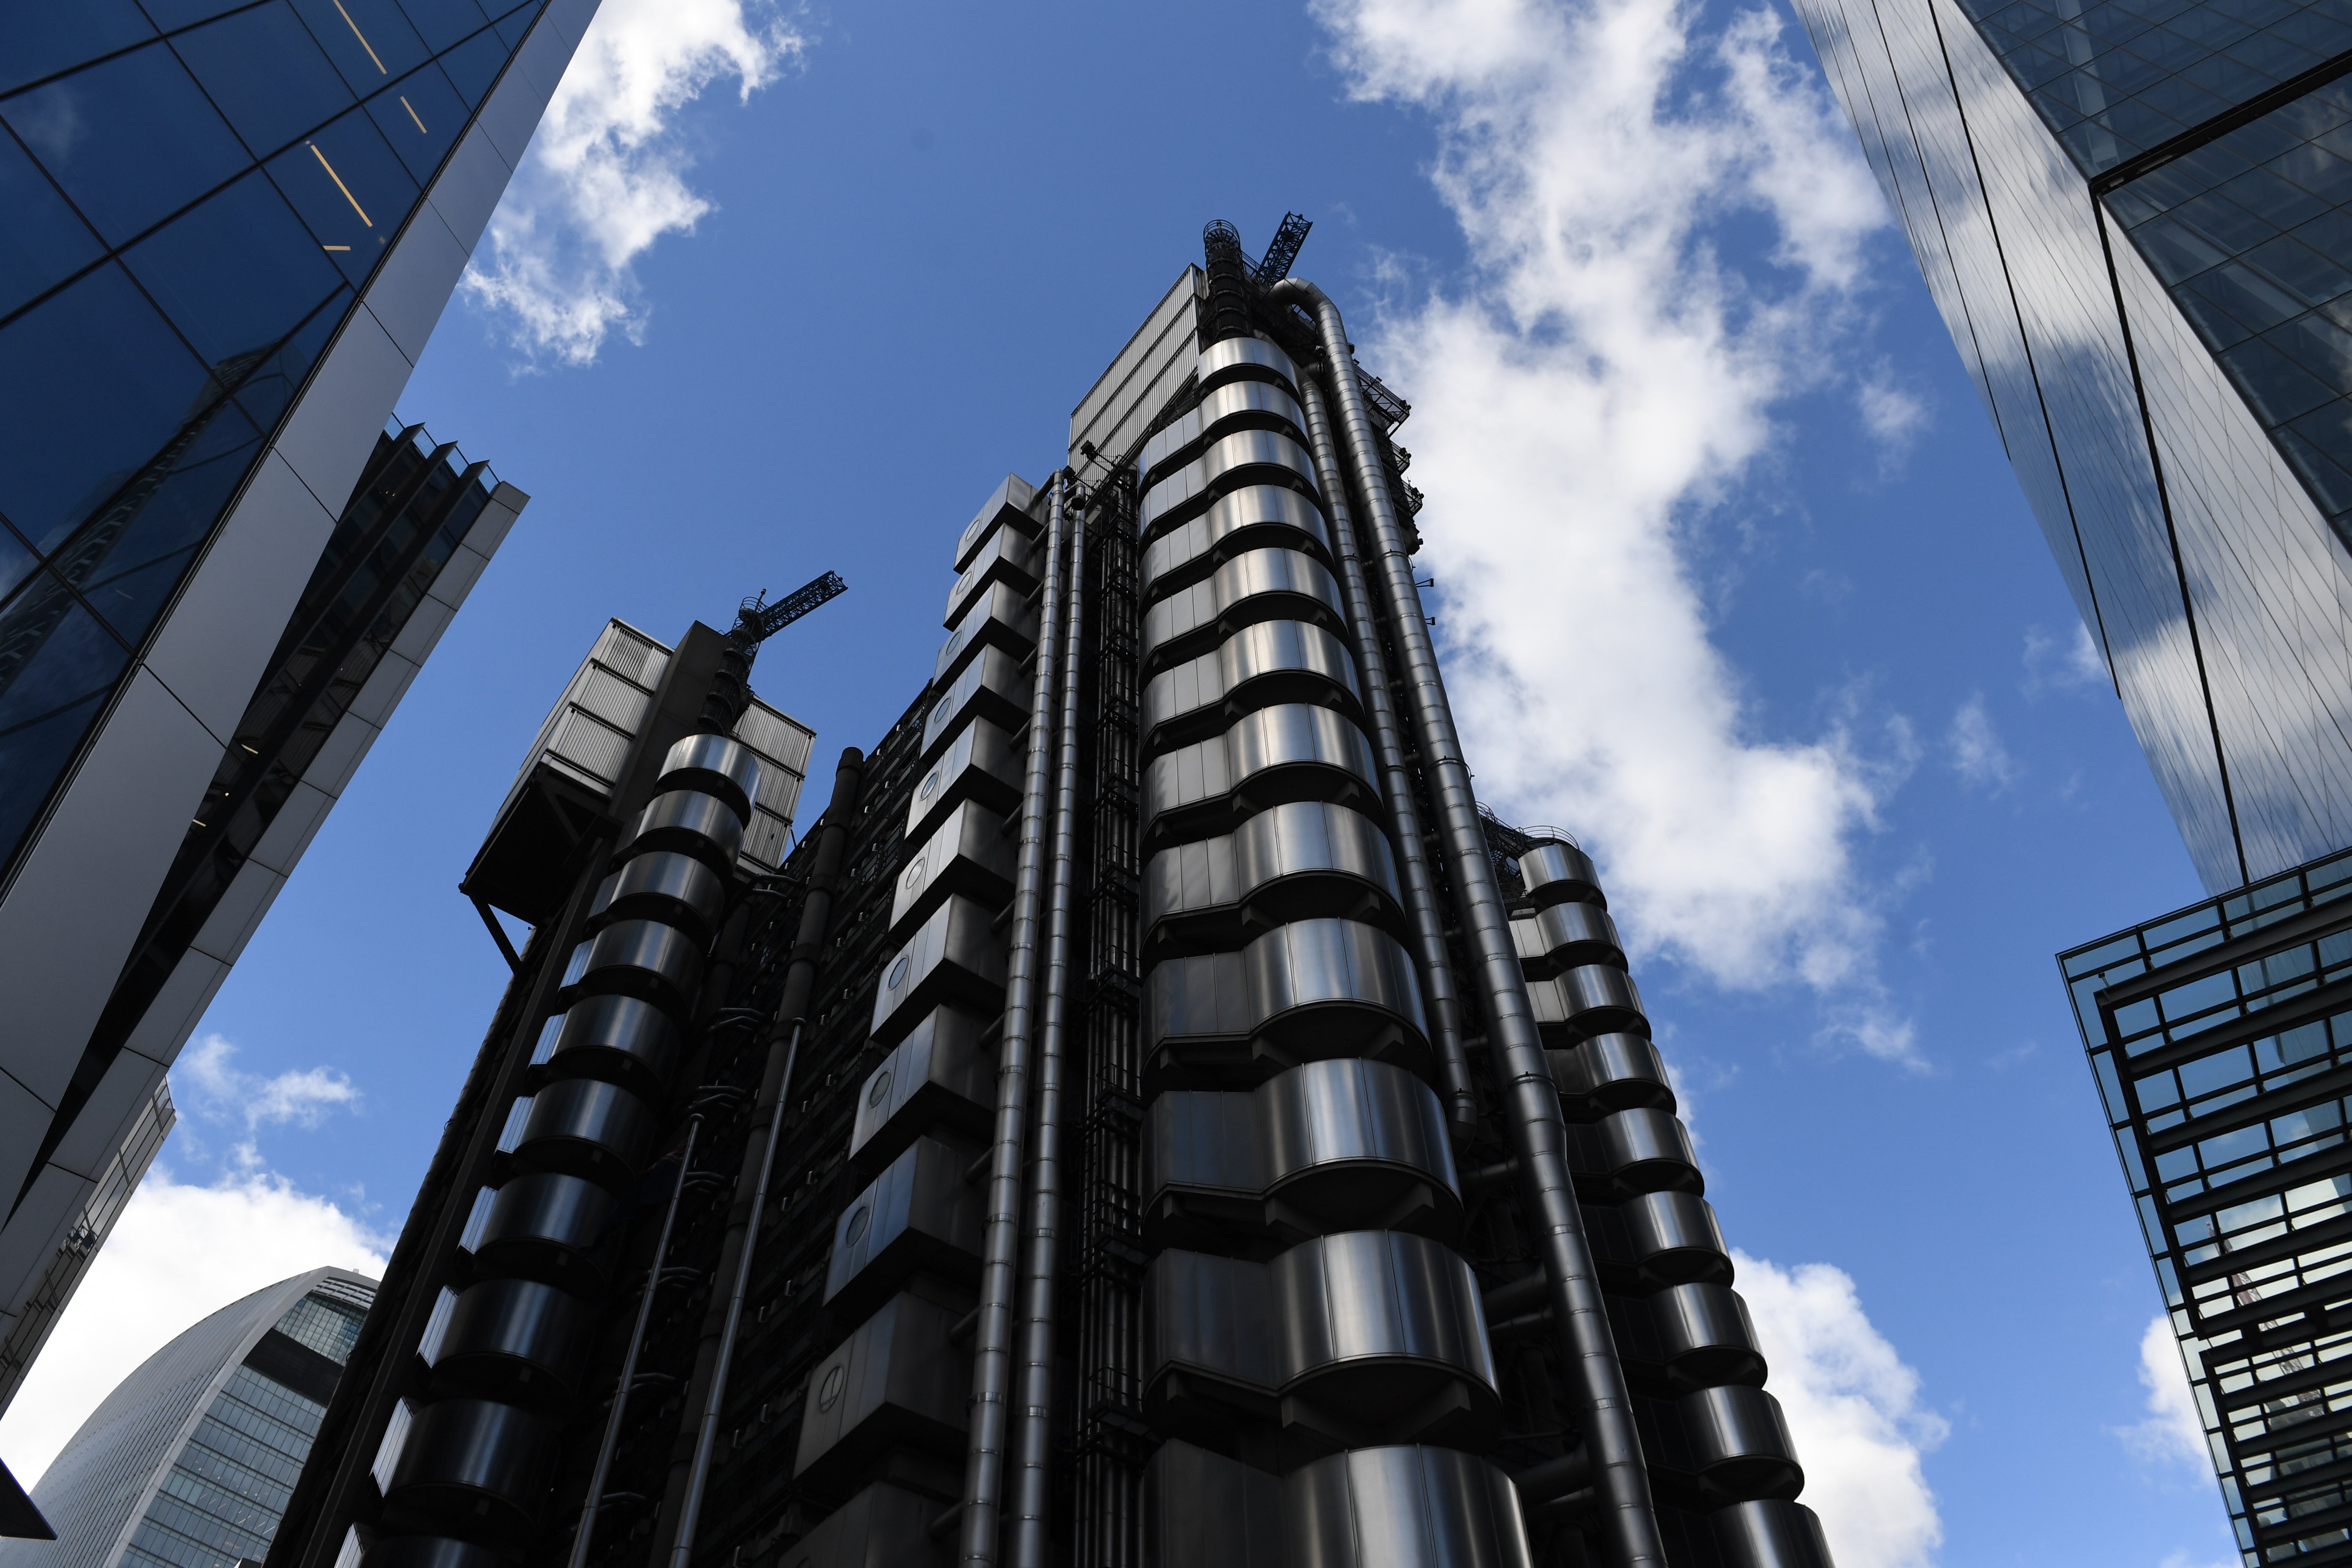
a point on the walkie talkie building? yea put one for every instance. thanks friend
(1154, 1116)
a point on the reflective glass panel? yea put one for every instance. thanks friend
(57, 667)
(93, 385)
(130, 140)
(236, 273)
(349, 187)
(266, 73)
(475, 64)
(369, 41)
(442, 23)
(15, 559)
(269, 386)
(46, 37)
(169, 13)
(42, 241)
(420, 115)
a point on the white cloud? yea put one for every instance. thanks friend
(1975, 751)
(2173, 1432)
(605, 176)
(2053, 664)
(1854, 1409)
(178, 1254)
(213, 1087)
(1602, 382)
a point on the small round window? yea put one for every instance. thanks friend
(930, 786)
(898, 973)
(829, 1393)
(881, 1089)
(915, 872)
(853, 1233)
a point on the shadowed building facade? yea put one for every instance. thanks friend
(230, 229)
(1153, 1116)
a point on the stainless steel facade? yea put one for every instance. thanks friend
(232, 231)
(188, 1462)
(2127, 215)
(1152, 1113)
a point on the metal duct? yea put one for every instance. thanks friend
(1532, 1114)
(1396, 784)
(716, 766)
(621, 1039)
(1041, 1267)
(992, 1370)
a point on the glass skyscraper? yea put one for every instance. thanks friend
(188, 1463)
(226, 231)
(2133, 215)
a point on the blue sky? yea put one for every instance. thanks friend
(1734, 582)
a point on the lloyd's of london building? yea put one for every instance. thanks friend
(1154, 1116)
(2136, 216)
(226, 231)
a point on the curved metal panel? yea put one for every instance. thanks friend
(1249, 517)
(1402, 1507)
(1676, 1240)
(1566, 936)
(919, 1214)
(1705, 1336)
(585, 1127)
(898, 1379)
(1331, 988)
(1600, 1000)
(990, 687)
(472, 1464)
(968, 854)
(997, 617)
(430, 1552)
(1774, 1534)
(1294, 738)
(1649, 1151)
(1236, 358)
(515, 1339)
(1307, 858)
(939, 1075)
(978, 764)
(1374, 1296)
(1739, 1444)
(715, 765)
(1004, 557)
(1561, 873)
(1245, 456)
(546, 1223)
(1235, 406)
(693, 823)
(1273, 584)
(1615, 1072)
(637, 958)
(954, 957)
(1258, 665)
(676, 890)
(622, 1038)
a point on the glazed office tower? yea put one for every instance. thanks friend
(1155, 1116)
(228, 231)
(2131, 215)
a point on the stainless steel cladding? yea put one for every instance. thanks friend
(919, 1215)
(899, 1378)
(999, 618)
(884, 1526)
(677, 890)
(1705, 1337)
(1294, 862)
(1561, 873)
(969, 854)
(1005, 557)
(1338, 1332)
(1402, 1507)
(1247, 519)
(1739, 1444)
(516, 1341)
(1263, 584)
(1289, 752)
(990, 687)
(619, 1038)
(1600, 999)
(978, 764)
(717, 766)
(1246, 456)
(1567, 936)
(583, 1127)
(475, 1464)
(431, 1552)
(1334, 988)
(637, 958)
(1325, 1147)
(1236, 405)
(939, 1075)
(1648, 1151)
(1770, 1535)
(1614, 1072)
(1674, 1240)
(1197, 1020)
(955, 956)
(1245, 359)
(547, 1224)
(1008, 507)
(693, 823)
(1261, 665)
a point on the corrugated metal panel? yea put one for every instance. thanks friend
(1156, 359)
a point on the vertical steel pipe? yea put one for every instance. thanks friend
(1396, 785)
(991, 1361)
(1538, 1137)
(1032, 1446)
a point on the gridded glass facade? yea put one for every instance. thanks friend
(194, 190)
(2221, 1036)
(2116, 77)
